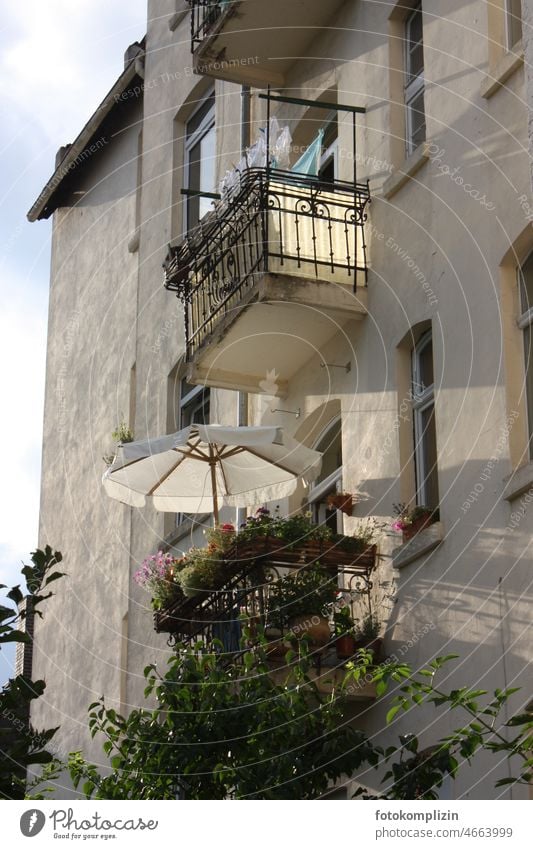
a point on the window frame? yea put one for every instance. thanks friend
(511, 21)
(191, 402)
(422, 400)
(414, 85)
(207, 123)
(317, 497)
(525, 324)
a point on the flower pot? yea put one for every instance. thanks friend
(419, 524)
(345, 646)
(310, 625)
(341, 502)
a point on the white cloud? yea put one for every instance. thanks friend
(57, 65)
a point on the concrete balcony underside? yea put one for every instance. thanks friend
(239, 40)
(262, 343)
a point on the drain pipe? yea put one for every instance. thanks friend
(242, 402)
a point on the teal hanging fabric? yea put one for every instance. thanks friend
(309, 162)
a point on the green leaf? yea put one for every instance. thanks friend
(381, 687)
(392, 713)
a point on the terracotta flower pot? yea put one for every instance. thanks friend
(310, 625)
(345, 646)
(418, 525)
(341, 502)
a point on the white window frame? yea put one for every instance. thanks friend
(206, 124)
(187, 402)
(423, 400)
(413, 85)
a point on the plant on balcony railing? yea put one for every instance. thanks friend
(210, 591)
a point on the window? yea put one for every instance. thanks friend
(425, 437)
(194, 404)
(414, 80)
(330, 479)
(186, 405)
(525, 322)
(513, 22)
(200, 160)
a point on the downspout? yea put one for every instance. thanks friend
(242, 402)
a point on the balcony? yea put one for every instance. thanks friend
(252, 596)
(269, 277)
(237, 41)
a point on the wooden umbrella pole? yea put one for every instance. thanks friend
(212, 466)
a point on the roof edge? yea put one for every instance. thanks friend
(42, 207)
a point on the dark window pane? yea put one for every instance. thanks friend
(415, 27)
(331, 446)
(428, 484)
(416, 62)
(514, 22)
(417, 121)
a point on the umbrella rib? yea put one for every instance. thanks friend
(165, 476)
(223, 473)
(275, 463)
(231, 453)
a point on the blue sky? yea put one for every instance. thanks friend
(57, 61)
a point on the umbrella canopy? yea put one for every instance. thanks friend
(194, 470)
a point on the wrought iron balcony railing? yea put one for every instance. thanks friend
(278, 222)
(204, 15)
(248, 597)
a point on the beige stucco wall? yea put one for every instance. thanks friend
(108, 310)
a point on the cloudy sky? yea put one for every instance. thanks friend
(57, 61)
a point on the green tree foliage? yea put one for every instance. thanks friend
(224, 731)
(21, 745)
(228, 731)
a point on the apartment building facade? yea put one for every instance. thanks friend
(372, 300)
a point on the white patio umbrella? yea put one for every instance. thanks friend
(194, 470)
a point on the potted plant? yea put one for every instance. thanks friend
(203, 572)
(367, 635)
(344, 634)
(342, 501)
(302, 600)
(410, 522)
(158, 573)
